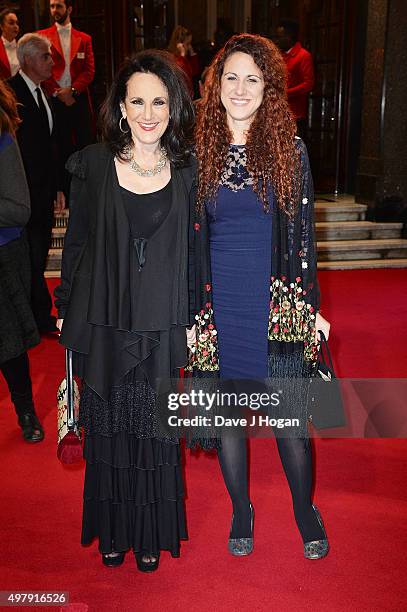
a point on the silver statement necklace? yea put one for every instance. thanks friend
(150, 171)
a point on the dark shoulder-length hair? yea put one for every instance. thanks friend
(178, 137)
(272, 158)
(4, 13)
(9, 118)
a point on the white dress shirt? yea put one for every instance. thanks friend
(32, 87)
(11, 50)
(64, 33)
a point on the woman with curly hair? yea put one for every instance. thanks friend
(258, 313)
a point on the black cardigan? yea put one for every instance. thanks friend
(116, 318)
(294, 290)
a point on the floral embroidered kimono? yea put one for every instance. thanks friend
(294, 299)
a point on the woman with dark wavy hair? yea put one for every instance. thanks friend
(123, 306)
(258, 315)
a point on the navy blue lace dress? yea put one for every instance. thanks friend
(240, 247)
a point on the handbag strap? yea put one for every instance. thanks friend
(69, 390)
(324, 348)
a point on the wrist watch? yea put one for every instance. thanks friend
(75, 92)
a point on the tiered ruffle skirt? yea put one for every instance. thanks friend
(133, 491)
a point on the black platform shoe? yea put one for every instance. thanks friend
(32, 429)
(147, 566)
(113, 561)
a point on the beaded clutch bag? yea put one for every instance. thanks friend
(69, 448)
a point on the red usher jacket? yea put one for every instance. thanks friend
(82, 61)
(5, 72)
(300, 79)
(190, 65)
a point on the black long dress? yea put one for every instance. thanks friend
(133, 491)
(125, 298)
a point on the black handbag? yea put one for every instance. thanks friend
(325, 405)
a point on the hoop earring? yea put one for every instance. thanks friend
(120, 126)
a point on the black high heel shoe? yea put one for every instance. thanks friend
(240, 547)
(147, 566)
(113, 561)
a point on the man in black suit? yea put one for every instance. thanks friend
(37, 140)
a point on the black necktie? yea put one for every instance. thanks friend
(43, 110)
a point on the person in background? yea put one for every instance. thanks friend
(72, 74)
(257, 317)
(202, 81)
(223, 32)
(300, 72)
(38, 145)
(180, 46)
(18, 331)
(8, 45)
(208, 50)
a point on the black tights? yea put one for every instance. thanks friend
(17, 374)
(233, 462)
(296, 458)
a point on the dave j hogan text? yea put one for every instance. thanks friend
(218, 420)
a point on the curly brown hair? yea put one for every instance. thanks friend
(272, 157)
(9, 118)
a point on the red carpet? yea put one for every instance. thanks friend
(360, 489)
